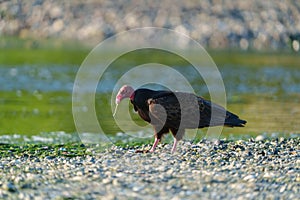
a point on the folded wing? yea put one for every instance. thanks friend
(185, 110)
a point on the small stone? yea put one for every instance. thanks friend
(282, 189)
(259, 138)
(110, 197)
(106, 181)
(249, 178)
(50, 157)
(137, 188)
(57, 25)
(115, 182)
(92, 160)
(55, 12)
(18, 179)
(24, 196)
(77, 178)
(10, 187)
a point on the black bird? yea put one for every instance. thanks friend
(176, 111)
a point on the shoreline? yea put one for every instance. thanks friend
(270, 25)
(211, 170)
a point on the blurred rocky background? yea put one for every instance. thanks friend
(247, 25)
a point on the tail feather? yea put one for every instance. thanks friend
(215, 115)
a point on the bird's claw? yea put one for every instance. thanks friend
(143, 151)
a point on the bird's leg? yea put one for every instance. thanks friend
(178, 135)
(156, 141)
(174, 146)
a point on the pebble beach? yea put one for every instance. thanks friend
(59, 166)
(254, 24)
(242, 169)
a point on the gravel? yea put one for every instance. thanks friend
(253, 24)
(243, 169)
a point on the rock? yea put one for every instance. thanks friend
(230, 25)
(161, 176)
(282, 189)
(249, 178)
(137, 188)
(55, 12)
(57, 26)
(259, 138)
(10, 187)
(106, 181)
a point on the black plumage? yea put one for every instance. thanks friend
(174, 112)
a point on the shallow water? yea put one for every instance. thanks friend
(273, 80)
(36, 99)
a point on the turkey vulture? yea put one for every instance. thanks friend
(176, 111)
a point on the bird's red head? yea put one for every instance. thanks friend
(126, 91)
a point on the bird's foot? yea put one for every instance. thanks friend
(142, 151)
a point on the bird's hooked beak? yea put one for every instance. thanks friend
(118, 100)
(115, 110)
